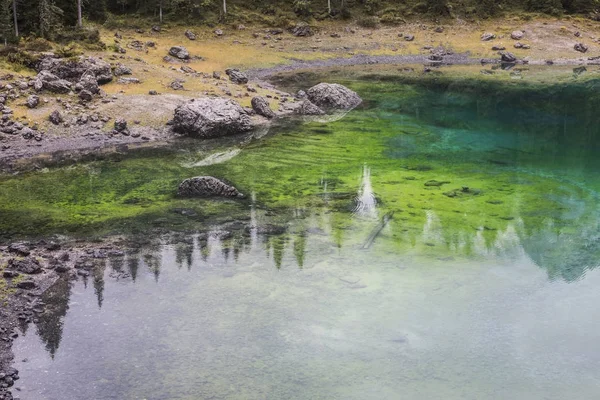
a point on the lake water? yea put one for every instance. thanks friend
(439, 242)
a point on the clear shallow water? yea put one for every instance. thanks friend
(481, 286)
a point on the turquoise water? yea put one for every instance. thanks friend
(438, 242)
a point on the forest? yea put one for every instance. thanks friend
(48, 18)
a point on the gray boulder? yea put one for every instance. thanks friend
(580, 47)
(302, 29)
(47, 81)
(236, 76)
(179, 52)
(26, 265)
(33, 101)
(332, 96)
(206, 186)
(190, 35)
(89, 83)
(508, 57)
(486, 37)
(86, 96)
(121, 70)
(260, 105)
(73, 70)
(211, 117)
(517, 35)
(55, 117)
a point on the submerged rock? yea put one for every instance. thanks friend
(206, 186)
(261, 106)
(332, 96)
(211, 117)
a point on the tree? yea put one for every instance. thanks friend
(50, 17)
(16, 24)
(79, 18)
(5, 22)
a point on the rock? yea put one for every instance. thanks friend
(487, 37)
(409, 38)
(218, 32)
(26, 285)
(33, 101)
(236, 76)
(26, 265)
(498, 48)
(121, 70)
(302, 29)
(309, 108)
(179, 52)
(156, 28)
(153, 93)
(52, 83)
(517, 35)
(190, 35)
(332, 96)
(216, 75)
(86, 96)
(508, 57)
(88, 82)
(176, 85)
(120, 125)
(520, 45)
(187, 70)
(55, 117)
(206, 186)
(211, 117)
(439, 29)
(261, 106)
(73, 70)
(19, 249)
(580, 47)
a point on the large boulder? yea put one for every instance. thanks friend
(261, 106)
(74, 70)
(332, 96)
(33, 101)
(206, 186)
(179, 52)
(52, 83)
(211, 117)
(236, 76)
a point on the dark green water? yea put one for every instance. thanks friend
(481, 286)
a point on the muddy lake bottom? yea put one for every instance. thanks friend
(440, 241)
